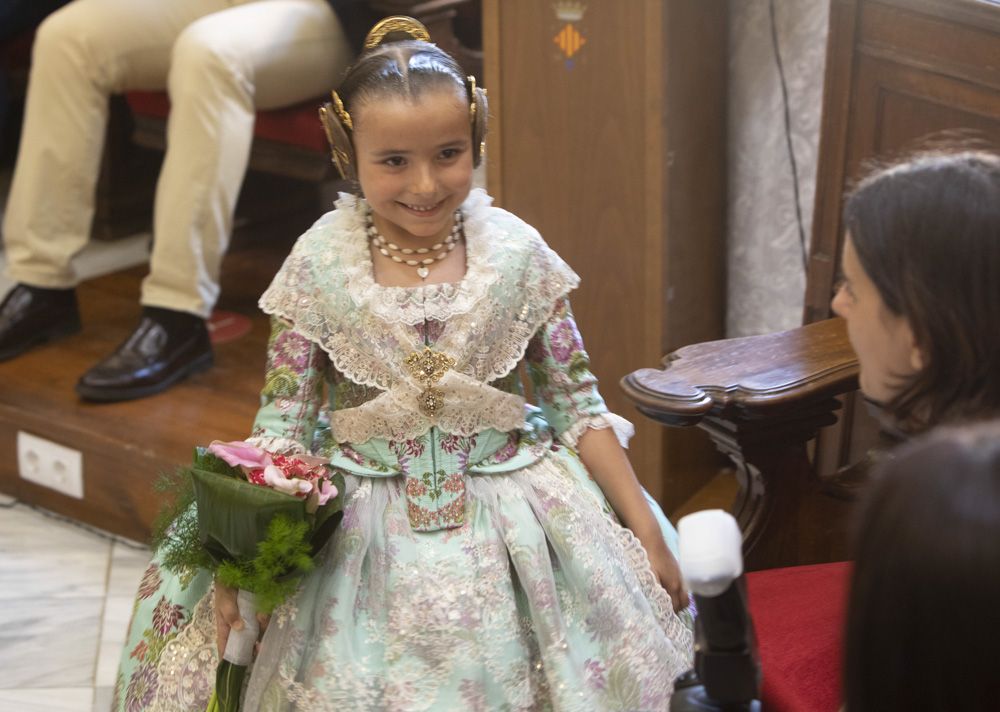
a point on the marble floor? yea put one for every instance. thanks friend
(65, 600)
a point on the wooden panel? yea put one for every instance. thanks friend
(567, 159)
(913, 73)
(899, 108)
(492, 63)
(824, 252)
(616, 155)
(959, 49)
(693, 119)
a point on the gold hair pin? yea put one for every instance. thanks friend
(472, 95)
(338, 107)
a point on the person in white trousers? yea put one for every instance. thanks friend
(220, 61)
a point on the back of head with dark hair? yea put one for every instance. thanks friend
(923, 618)
(927, 233)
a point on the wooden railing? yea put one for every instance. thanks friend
(762, 399)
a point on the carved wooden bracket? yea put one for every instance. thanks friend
(762, 399)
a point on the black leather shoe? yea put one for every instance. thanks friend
(166, 347)
(30, 316)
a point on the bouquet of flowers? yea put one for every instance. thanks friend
(256, 519)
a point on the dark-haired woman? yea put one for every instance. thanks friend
(921, 289)
(921, 296)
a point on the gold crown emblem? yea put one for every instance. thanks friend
(569, 10)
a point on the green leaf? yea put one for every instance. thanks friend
(233, 514)
(175, 534)
(282, 558)
(255, 538)
(228, 686)
(204, 460)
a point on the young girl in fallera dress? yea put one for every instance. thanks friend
(492, 555)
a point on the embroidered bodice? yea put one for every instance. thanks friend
(424, 382)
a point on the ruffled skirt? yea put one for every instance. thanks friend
(539, 601)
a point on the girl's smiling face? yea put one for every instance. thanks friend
(884, 343)
(414, 162)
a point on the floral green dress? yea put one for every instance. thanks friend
(477, 566)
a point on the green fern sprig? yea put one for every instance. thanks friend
(283, 557)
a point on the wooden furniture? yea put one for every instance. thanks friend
(900, 75)
(897, 72)
(607, 133)
(287, 141)
(762, 399)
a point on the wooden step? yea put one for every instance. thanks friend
(126, 446)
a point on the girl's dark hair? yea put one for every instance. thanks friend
(927, 233)
(923, 623)
(403, 68)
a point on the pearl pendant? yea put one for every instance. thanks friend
(422, 272)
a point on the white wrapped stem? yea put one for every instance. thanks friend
(239, 646)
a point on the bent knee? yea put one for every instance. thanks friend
(202, 53)
(66, 27)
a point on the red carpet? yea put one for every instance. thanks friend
(798, 614)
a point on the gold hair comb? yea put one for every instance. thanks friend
(397, 23)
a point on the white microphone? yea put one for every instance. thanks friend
(726, 674)
(711, 551)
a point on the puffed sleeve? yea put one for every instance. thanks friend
(293, 391)
(564, 386)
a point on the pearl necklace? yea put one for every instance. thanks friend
(422, 264)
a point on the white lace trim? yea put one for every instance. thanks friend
(186, 668)
(659, 599)
(412, 305)
(624, 430)
(638, 561)
(325, 284)
(469, 408)
(277, 445)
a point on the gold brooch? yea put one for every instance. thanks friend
(431, 401)
(428, 367)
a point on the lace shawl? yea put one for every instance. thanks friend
(327, 291)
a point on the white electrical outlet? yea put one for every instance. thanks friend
(49, 464)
